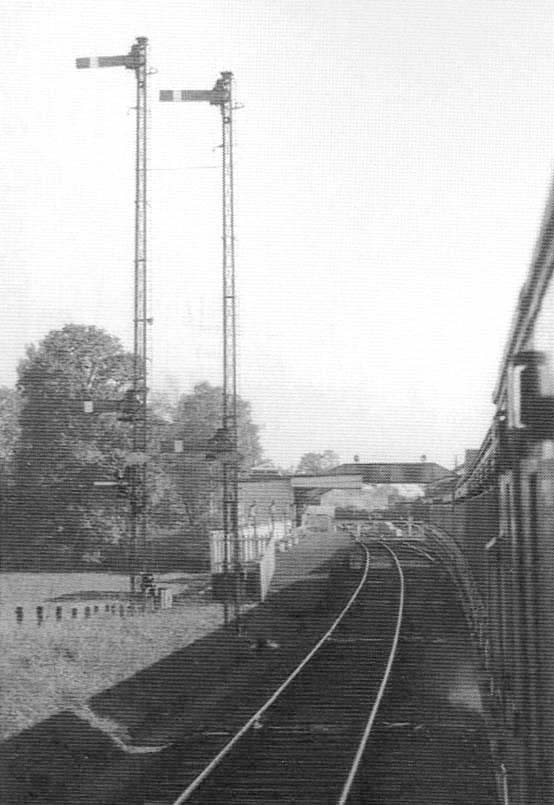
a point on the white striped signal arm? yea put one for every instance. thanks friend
(103, 61)
(215, 95)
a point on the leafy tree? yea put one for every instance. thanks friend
(62, 519)
(62, 450)
(192, 501)
(10, 403)
(199, 415)
(317, 462)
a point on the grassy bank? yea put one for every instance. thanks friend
(48, 670)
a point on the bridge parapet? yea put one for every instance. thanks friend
(394, 473)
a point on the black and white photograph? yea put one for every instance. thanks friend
(277, 402)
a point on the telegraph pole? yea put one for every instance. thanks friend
(136, 60)
(221, 95)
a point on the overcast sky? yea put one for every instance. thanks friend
(393, 159)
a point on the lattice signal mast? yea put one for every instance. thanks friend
(221, 95)
(136, 60)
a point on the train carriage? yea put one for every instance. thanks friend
(501, 517)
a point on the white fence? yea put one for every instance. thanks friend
(257, 547)
(254, 541)
(267, 569)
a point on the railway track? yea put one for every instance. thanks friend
(430, 742)
(306, 743)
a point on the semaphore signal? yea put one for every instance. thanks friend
(221, 95)
(136, 60)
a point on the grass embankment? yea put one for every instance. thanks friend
(60, 666)
(45, 670)
(127, 692)
(28, 589)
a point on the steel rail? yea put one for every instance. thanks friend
(365, 737)
(417, 549)
(197, 782)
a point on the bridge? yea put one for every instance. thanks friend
(308, 488)
(282, 492)
(394, 473)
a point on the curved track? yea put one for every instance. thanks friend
(305, 744)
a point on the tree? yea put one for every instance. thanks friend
(10, 403)
(199, 415)
(312, 463)
(62, 519)
(192, 502)
(185, 490)
(62, 450)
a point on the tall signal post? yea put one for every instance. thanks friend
(136, 60)
(221, 95)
